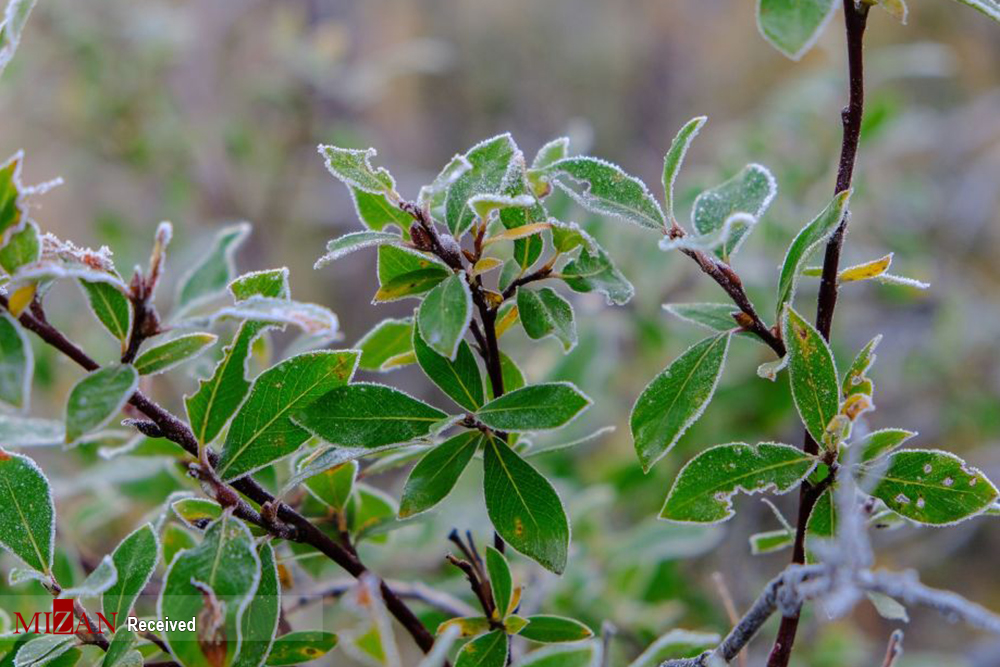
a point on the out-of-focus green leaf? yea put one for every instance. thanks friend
(793, 26)
(210, 276)
(703, 490)
(501, 581)
(590, 272)
(174, 352)
(535, 407)
(23, 247)
(348, 243)
(676, 398)
(15, 17)
(367, 415)
(770, 541)
(17, 363)
(548, 629)
(524, 508)
(676, 644)
(812, 373)
(302, 646)
(100, 579)
(714, 316)
(175, 540)
(333, 486)
(933, 487)
(990, 8)
(97, 398)
(135, 559)
(27, 514)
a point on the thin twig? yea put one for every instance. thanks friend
(895, 648)
(730, 606)
(417, 591)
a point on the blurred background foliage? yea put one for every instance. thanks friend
(208, 113)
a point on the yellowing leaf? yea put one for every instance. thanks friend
(519, 232)
(506, 321)
(485, 265)
(21, 299)
(865, 271)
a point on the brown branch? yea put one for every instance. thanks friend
(855, 21)
(295, 526)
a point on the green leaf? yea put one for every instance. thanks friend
(215, 579)
(562, 655)
(793, 26)
(545, 313)
(568, 235)
(490, 650)
(100, 579)
(262, 432)
(310, 317)
(513, 376)
(445, 314)
(676, 398)
(17, 364)
(460, 379)
(770, 541)
(501, 581)
(333, 486)
(714, 316)
(389, 338)
(209, 276)
(174, 352)
(553, 629)
(369, 511)
(595, 271)
(856, 380)
(805, 244)
(990, 8)
(353, 168)
(348, 243)
(135, 559)
(298, 647)
(376, 212)
(120, 652)
(877, 444)
(491, 162)
(46, 651)
(434, 196)
(175, 540)
(524, 507)
(704, 488)
(934, 487)
(823, 518)
(535, 407)
(97, 398)
(22, 248)
(553, 151)
(812, 374)
(12, 206)
(27, 514)
(30, 432)
(674, 158)
(467, 626)
(197, 512)
(260, 620)
(676, 644)
(367, 415)
(269, 282)
(748, 193)
(10, 32)
(404, 273)
(603, 188)
(111, 308)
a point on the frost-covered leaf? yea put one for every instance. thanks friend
(175, 539)
(595, 271)
(770, 541)
(568, 235)
(714, 316)
(15, 17)
(302, 646)
(865, 271)
(387, 339)
(518, 232)
(879, 443)
(376, 212)
(260, 620)
(467, 626)
(353, 168)
(704, 488)
(47, 650)
(210, 275)
(893, 279)
(97, 582)
(367, 415)
(501, 581)
(490, 650)
(548, 629)
(674, 158)
(888, 608)
(485, 265)
(564, 655)
(812, 374)
(403, 273)
(97, 398)
(17, 364)
(603, 188)
(135, 559)
(933, 487)
(23, 247)
(545, 313)
(196, 512)
(805, 243)
(793, 26)
(334, 485)
(491, 165)
(310, 317)
(174, 352)
(444, 315)
(524, 507)
(27, 514)
(120, 652)
(676, 398)
(434, 195)
(823, 519)
(198, 585)
(348, 243)
(269, 282)
(676, 644)
(534, 408)
(485, 204)
(30, 432)
(111, 307)
(553, 151)
(748, 193)
(990, 8)
(460, 378)
(12, 192)
(262, 431)
(856, 380)
(900, 11)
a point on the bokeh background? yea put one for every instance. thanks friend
(205, 113)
